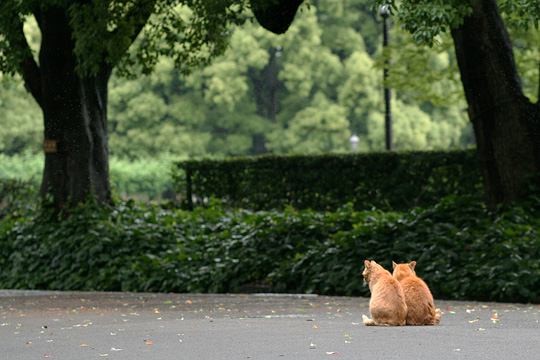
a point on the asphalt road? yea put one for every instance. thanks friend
(80, 326)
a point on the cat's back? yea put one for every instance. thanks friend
(388, 292)
(415, 288)
(387, 304)
(419, 300)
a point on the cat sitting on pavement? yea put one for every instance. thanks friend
(420, 306)
(387, 304)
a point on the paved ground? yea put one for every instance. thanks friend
(80, 326)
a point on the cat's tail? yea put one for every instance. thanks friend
(438, 315)
(367, 321)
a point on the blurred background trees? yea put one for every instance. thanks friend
(305, 91)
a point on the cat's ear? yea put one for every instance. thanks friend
(393, 265)
(412, 264)
(367, 263)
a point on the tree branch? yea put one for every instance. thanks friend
(133, 23)
(27, 66)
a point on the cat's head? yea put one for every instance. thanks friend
(370, 267)
(403, 270)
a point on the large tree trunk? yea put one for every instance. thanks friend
(506, 123)
(75, 117)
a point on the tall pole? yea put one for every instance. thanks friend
(385, 13)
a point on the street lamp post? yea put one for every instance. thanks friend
(384, 12)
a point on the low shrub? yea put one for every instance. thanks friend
(463, 250)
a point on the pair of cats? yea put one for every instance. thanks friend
(401, 298)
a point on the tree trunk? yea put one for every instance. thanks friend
(266, 87)
(75, 118)
(506, 123)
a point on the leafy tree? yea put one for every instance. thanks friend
(81, 43)
(320, 127)
(506, 121)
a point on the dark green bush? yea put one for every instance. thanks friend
(463, 251)
(325, 182)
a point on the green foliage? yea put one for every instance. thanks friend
(285, 92)
(527, 58)
(426, 19)
(26, 167)
(430, 23)
(463, 251)
(189, 32)
(145, 178)
(22, 128)
(17, 198)
(521, 14)
(321, 127)
(290, 90)
(382, 180)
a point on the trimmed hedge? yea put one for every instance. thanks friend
(463, 251)
(325, 182)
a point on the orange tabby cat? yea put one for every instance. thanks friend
(387, 304)
(421, 309)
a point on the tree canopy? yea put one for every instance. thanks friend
(305, 91)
